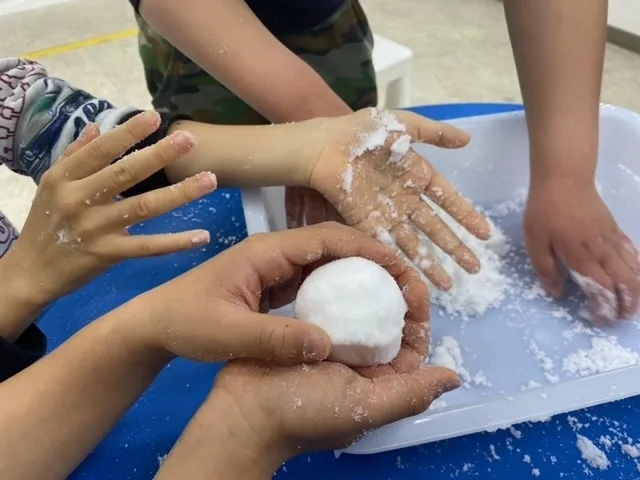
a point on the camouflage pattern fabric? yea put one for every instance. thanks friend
(339, 49)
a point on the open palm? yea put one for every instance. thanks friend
(380, 186)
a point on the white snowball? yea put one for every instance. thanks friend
(359, 305)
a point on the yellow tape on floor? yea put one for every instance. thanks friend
(90, 42)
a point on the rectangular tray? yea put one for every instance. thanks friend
(517, 349)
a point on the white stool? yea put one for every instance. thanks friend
(392, 63)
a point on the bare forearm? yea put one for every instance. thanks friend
(250, 156)
(58, 409)
(559, 52)
(228, 41)
(217, 444)
(20, 298)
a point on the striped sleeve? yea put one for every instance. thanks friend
(41, 115)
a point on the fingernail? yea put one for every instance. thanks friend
(315, 347)
(85, 131)
(183, 141)
(150, 118)
(207, 181)
(200, 237)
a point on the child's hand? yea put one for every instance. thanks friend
(375, 181)
(75, 229)
(236, 288)
(584, 236)
(285, 411)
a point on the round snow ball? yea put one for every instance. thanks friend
(359, 304)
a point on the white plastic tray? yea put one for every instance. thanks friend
(491, 170)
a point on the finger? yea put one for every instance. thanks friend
(544, 262)
(599, 290)
(394, 397)
(281, 340)
(443, 194)
(408, 240)
(136, 246)
(294, 206)
(152, 204)
(425, 130)
(629, 254)
(137, 166)
(88, 134)
(276, 256)
(415, 335)
(112, 145)
(439, 233)
(626, 284)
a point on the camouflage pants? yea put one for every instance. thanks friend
(339, 50)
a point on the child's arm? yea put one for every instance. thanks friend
(62, 406)
(559, 48)
(75, 230)
(227, 40)
(259, 416)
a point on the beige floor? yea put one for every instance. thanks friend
(461, 54)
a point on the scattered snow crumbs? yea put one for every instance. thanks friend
(471, 295)
(385, 124)
(592, 454)
(606, 300)
(605, 354)
(632, 450)
(447, 354)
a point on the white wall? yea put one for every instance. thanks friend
(625, 15)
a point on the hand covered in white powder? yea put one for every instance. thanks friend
(75, 230)
(321, 406)
(571, 225)
(234, 290)
(376, 182)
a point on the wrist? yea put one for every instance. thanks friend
(133, 326)
(562, 158)
(21, 299)
(219, 443)
(249, 434)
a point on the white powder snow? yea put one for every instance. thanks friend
(448, 354)
(605, 303)
(545, 362)
(632, 450)
(592, 454)
(399, 148)
(471, 295)
(605, 354)
(385, 124)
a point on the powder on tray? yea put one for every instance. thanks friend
(472, 295)
(605, 354)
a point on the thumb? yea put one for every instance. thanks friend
(400, 396)
(282, 340)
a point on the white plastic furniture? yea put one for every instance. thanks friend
(392, 62)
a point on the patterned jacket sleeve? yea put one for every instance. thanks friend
(41, 115)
